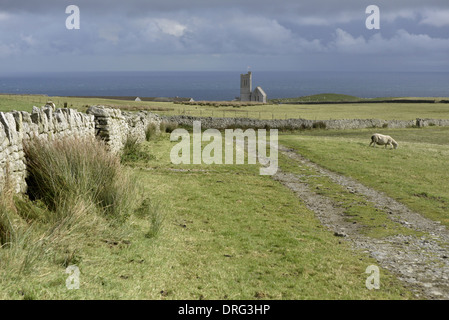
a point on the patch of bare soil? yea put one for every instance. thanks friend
(422, 263)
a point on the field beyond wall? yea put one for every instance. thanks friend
(316, 111)
(228, 233)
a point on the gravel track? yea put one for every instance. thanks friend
(422, 263)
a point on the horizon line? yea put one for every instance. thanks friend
(230, 71)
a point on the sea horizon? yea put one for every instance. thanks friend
(225, 85)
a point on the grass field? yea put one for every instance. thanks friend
(415, 174)
(386, 111)
(227, 233)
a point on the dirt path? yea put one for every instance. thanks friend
(422, 263)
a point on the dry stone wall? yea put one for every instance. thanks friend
(110, 126)
(223, 123)
(114, 126)
(49, 123)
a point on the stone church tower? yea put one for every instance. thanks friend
(246, 83)
(246, 93)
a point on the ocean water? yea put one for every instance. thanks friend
(225, 85)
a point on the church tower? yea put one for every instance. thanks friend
(246, 86)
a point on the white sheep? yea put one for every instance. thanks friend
(381, 140)
(51, 105)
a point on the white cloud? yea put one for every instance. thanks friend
(345, 42)
(401, 43)
(28, 40)
(436, 18)
(391, 16)
(157, 28)
(327, 19)
(313, 21)
(171, 27)
(226, 30)
(4, 16)
(110, 33)
(238, 33)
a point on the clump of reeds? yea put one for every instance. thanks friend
(70, 170)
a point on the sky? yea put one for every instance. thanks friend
(216, 35)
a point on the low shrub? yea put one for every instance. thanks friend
(319, 125)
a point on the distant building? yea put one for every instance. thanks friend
(246, 93)
(138, 99)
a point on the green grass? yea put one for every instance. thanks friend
(224, 232)
(79, 197)
(132, 151)
(26, 103)
(232, 234)
(323, 97)
(371, 221)
(74, 170)
(415, 173)
(335, 97)
(227, 233)
(386, 111)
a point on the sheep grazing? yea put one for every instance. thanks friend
(381, 140)
(51, 105)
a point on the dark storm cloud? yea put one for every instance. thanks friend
(211, 34)
(319, 9)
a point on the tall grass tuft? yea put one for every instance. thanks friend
(151, 131)
(63, 172)
(17, 248)
(8, 213)
(8, 229)
(168, 126)
(132, 151)
(78, 192)
(163, 126)
(171, 126)
(152, 211)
